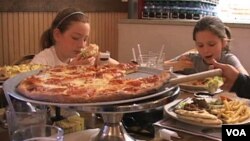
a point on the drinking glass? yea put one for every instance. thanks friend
(152, 60)
(160, 60)
(147, 60)
(38, 133)
(22, 118)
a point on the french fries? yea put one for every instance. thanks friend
(234, 111)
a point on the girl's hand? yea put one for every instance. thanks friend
(79, 60)
(229, 73)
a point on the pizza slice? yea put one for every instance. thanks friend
(90, 51)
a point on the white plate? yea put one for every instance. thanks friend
(189, 87)
(9, 87)
(169, 109)
(201, 91)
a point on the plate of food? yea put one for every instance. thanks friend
(209, 84)
(210, 112)
(9, 71)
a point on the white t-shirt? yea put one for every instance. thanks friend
(47, 57)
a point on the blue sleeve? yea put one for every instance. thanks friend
(242, 86)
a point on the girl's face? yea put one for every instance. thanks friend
(209, 45)
(71, 42)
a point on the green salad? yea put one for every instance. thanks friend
(214, 83)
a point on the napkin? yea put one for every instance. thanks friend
(167, 134)
(85, 135)
(71, 124)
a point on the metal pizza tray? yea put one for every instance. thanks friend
(10, 85)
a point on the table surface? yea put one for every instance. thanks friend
(184, 136)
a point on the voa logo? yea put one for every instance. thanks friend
(236, 132)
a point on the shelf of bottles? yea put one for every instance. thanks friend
(176, 9)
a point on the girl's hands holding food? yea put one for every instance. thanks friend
(79, 60)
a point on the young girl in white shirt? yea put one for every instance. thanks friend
(63, 41)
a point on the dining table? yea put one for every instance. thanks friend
(187, 135)
(184, 136)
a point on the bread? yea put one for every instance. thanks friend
(204, 121)
(201, 116)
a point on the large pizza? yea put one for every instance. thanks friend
(85, 84)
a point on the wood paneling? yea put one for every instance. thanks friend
(1, 39)
(20, 32)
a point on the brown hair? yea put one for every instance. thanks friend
(62, 21)
(216, 26)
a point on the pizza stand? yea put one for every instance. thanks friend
(112, 112)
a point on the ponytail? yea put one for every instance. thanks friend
(228, 32)
(46, 40)
(228, 37)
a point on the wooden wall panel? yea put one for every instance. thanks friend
(11, 52)
(36, 30)
(15, 35)
(20, 32)
(5, 37)
(1, 39)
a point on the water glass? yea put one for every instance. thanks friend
(152, 60)
(38, 133)
(19, 118)
(146, 60)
